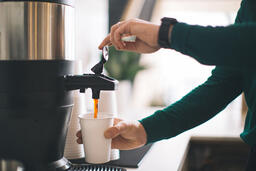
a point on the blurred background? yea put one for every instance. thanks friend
(150, 80)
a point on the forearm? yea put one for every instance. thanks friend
(198, 106)
(232, 45)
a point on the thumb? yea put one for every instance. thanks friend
(116, 130)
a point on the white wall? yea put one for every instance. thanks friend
(91, 24)
(171, 74)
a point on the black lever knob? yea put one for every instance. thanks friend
(98, 68)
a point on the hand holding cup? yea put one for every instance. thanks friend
(125, 135)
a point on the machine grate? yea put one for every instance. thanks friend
(94, 168)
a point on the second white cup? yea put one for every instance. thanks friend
(96, 147)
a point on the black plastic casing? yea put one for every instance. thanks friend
(35, 110)
(35, 107)
(65, 2)
(96, 82)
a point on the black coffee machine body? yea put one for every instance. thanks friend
(36, 81)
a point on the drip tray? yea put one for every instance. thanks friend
(128, 158)
(84, 167)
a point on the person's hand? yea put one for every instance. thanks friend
(146, 33)
(125, 135)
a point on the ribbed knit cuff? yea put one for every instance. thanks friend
(151, 125)
(249, 137)
(179, 36)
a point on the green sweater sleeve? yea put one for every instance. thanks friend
(198, 106)
(233, 45)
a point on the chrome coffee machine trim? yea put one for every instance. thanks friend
(63, 164)
(65, 2)
(33, 30)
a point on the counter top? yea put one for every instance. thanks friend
(169, 154)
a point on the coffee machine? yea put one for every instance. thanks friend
(36, 82)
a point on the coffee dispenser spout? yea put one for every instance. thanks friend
(96, 82)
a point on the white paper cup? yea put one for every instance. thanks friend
(97, 148)
(108, 104)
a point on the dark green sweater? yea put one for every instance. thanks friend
(233, 50)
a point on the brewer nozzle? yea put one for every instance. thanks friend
(95, 93)
(96, 82)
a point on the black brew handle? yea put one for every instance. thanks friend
(96, 82)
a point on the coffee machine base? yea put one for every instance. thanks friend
(95, 168)
(65, 165)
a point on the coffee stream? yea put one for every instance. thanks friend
(98, 68)
(96, 101)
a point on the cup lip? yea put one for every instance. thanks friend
(105, 114)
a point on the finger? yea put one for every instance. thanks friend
(116, 130)
(117, 120)
(79, 141)
(112, 34)
(105, 42)
(111, 132)
(119, 143)
(139, 47)
(118, 42)
(124, 29)
(124, 144)
(79, 134)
